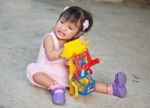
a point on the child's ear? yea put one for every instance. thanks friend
(79, 34)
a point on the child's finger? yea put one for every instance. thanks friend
(82, 39)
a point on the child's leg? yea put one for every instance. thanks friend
(58, 91)
(43, 79)
(101, 87)
(117, 88)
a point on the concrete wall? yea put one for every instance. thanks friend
(137, 1)
(109, 0)
(126, 1)
(106, 0)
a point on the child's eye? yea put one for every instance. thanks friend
(61, 22)
(70, 28)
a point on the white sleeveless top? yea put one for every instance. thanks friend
(42, 55)
(57, 69)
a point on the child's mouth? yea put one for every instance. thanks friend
(61, 33)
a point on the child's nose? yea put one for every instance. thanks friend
(63, 28)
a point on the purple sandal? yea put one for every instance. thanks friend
(119, 85)
(58, 96)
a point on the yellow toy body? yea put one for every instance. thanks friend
(70, 48)
(75, 46)
(80, 82)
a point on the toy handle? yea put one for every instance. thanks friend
(91, 63)
(90, 71)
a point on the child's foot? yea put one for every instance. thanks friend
(58, 96)
(119, 85)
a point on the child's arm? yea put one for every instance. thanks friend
(50, 51)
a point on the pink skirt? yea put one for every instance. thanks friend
(55, 71)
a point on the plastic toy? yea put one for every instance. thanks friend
(80, 63)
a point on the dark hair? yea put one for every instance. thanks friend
(76, 14)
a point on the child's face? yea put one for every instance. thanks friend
(66, 30)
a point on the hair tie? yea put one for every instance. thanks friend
(85, 24)
(66, 8)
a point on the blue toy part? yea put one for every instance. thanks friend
(82, 62)
(86, 88)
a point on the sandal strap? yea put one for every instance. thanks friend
(59, 88)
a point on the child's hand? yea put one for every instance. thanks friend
(82, 39)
